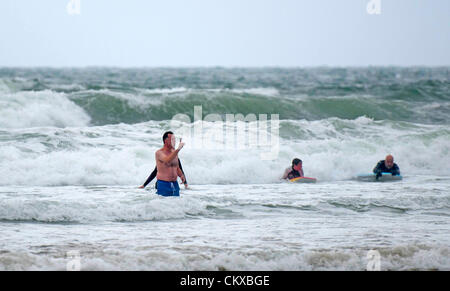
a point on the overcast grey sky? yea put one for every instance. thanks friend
(224, 33)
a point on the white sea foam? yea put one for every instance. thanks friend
(164, 90)
(61, 208)
(397, 258)
(232, 227)
(3, 86)
(258, 91)
(43, 108)
(123, 154)
(67, 87)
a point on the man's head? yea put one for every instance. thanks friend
(389, 161)
(297, 164)
(169, 139)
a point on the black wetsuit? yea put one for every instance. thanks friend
(293, 173)
(381, 168)
(153, 174)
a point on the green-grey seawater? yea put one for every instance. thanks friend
(75, 143)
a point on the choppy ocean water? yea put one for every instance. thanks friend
(76, 143)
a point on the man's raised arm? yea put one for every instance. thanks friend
(169, 158)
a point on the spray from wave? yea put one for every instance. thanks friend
(41, 108)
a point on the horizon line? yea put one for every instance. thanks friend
(221, 67)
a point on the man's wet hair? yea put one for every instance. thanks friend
(296, 161)
(166, 135)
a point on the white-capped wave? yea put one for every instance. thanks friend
(83, 208)
(332, 149)
(67, 87)
(271, 92)
(44, 108)
(398, 258)
(256, 91)
(3, 86)
(164, 90)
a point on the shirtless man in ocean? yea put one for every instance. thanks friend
(168, 167)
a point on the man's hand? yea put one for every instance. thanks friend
(185, 186)
(141, 187)
(378, 175)
(181, 145)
